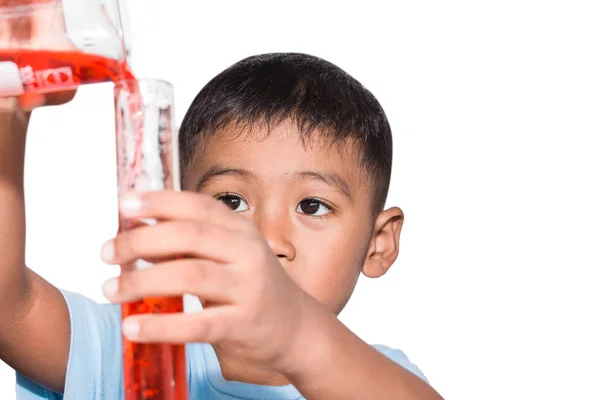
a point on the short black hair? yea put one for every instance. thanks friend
(316, 94)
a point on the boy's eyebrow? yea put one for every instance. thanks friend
(218, 170)
(328, 178)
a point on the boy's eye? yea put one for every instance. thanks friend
(236, 203)
(313, 207)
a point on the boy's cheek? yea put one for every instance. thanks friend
(328, 279)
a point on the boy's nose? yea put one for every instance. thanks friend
(277, 233)
(282, 249)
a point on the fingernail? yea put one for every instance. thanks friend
(110, 287)
(130, 328)
(108, 252)
(131, 202)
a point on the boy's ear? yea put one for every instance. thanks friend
(385, 242)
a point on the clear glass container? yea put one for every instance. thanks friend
(148, 160)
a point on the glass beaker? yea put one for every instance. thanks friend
(55, 45)
(148, 160)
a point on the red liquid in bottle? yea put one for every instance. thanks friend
(151, 371)
(46, 71)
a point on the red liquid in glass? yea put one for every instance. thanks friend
(151, 371)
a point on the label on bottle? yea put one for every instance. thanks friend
(10, 80)
(47, 80)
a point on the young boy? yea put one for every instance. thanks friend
(286, 163)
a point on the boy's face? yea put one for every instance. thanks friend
(312, 204)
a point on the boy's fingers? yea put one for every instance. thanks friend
(170, 205)
(58, 98)
(210, 325)
(172, 239)
(205, 279)
(31, 101)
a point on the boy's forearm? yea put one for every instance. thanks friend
(29, 305)
(13, 275)
(332, 363)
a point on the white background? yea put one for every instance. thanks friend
(495, 111)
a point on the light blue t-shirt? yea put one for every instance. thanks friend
(94, 370)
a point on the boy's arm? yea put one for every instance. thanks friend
(342, 366)
(34, 319)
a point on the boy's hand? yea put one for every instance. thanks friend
(251, 307)
(253, 310)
